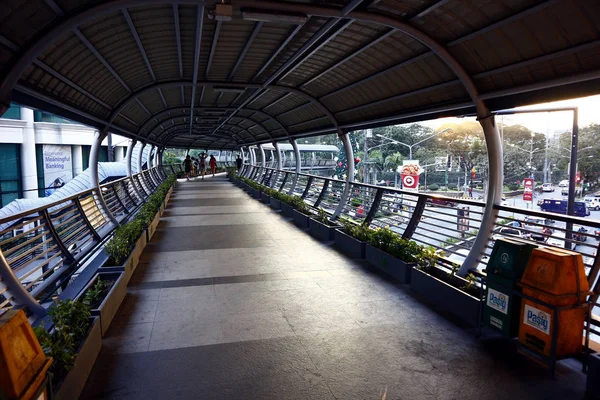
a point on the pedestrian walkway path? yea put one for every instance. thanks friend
(232, 301)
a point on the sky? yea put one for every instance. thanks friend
(551, 123)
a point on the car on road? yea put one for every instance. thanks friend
(597, 233)
(508, 231)
(565, 191)
(563, 183)
(437, 201)
(547, 187)
(592, 202)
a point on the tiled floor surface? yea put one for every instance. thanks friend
(231, 301)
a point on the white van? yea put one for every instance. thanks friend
(564, 183)
(592, 202)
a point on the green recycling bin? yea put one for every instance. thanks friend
(506, 266)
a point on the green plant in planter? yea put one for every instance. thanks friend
(299, 204)
(471, 279)
(123, 240)
(359, 232)
(322, 217)
(94, 295)
(405, 250)
(70, 320)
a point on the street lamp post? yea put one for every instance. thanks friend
(410, 146)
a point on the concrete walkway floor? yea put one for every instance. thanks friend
(232, 301)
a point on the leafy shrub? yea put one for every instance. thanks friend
(433, 186)
(359, 232)
(95, 295)
(70, 320)
(513, 186)
(452, 187)
(124, 239)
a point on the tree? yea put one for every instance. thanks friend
(466, 143)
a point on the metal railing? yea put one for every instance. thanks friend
(446, 225)
(41, 248)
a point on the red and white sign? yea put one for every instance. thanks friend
(528, 189)
(409, 173)
(410, 183)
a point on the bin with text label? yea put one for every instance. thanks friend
(506, 266)
(553, 311)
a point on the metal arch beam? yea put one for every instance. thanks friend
(172, 118)
(83, 15)
(276, 53)
(168, 111)
(213, 48)
(136, 36)
(165, 135)
(179, 131)
(319, 47)
(178, 38)
(323, 30)
(118, 109)
(199, 28)
(168, 134)
(94, 51)
(253, 34)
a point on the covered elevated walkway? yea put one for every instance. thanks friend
(232, 301)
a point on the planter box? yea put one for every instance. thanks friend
(168, 196)
(322, 231)
(161, 209)
(152, 227)
(275, 204)
(111, 303)
(446, 297)
(132, 261)
(265, 198)
(389, 264)
(300, 219)
(73, 384)
(287, 210)
(349, 245)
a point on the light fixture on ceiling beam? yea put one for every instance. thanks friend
(268, 16)
(228, 89)
(223, 11)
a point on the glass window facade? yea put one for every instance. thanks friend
(13, 112)
(10, 173)
(43, 116)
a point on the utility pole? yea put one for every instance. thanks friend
(368, 133)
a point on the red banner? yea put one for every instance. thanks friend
(528, 192)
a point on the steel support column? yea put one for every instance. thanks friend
(494, 194)
(93, 166)
(345, 138)
(262, 161)
(128, 157)
(278, 166)
(298, 165)
(150, 162)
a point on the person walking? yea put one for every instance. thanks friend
(213, 165)
(238, 162)
(202, 164)
(187, 167)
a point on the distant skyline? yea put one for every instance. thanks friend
(554, 122)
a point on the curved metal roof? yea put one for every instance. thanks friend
(171, 74)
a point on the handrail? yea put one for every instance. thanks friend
(48, 242)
